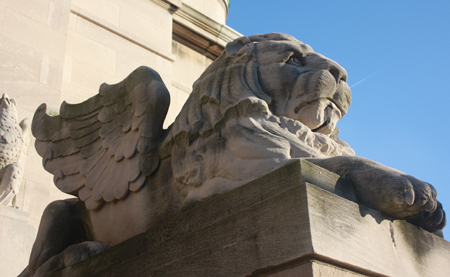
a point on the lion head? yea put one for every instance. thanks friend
(287, 74)
(267, 98)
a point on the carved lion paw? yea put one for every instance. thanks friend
(70, 256)
(390, 191)
(399, 195)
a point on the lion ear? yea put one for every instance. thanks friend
(233, 47)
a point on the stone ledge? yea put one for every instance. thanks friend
(277, 225)
(205, 26)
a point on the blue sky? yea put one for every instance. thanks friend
(397, 55)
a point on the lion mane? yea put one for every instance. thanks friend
(227, 132)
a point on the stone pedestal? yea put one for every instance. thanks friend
(16, 239)
(291, 222)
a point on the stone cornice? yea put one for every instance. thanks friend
(204, 26)
(170, 5)
(227, 5)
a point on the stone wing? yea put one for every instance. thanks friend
(105, 147)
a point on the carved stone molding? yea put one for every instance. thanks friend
(195, 41)
(170, 5)
(204, 26)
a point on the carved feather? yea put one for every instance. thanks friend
(105, 147)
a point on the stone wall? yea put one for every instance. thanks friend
(63, 50)
(32, 53)
(106, 40)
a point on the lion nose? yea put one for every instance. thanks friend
(338, 72)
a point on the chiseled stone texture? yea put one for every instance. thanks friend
(246, 116)
(278, 225)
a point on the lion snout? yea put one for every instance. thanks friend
(338, 72)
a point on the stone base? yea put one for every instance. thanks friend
(16, 240)
(291, 222)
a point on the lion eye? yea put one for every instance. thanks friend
(295, 60)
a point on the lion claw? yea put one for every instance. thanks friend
(409, 196)
(430, 221)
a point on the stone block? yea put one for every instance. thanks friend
(144, 9)
(20, 197)
(34, 35)
(73, 22)
(315, 268)
(177, 95)
(189, 64)
(67, 71)
(104, 9)
(20, 58)
(175, 49)
(56, 194)
(2, 15)
(37, 196)
(145, 29)
(19, 88)
(163, 66)
(71, 93)
(89, 77)
(51, 72)
(34, 172)
(115, 42)
(182, 97)
(164, 19)
(58, 16)
(277, 225)
(126, 65)
(91, 52)
(65, 3)
(167, 79)
(174, 110)
(16, 239)
(36, 9)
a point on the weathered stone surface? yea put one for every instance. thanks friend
(278, 225)
(35, 37)
(267, 100)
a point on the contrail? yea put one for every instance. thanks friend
(359, 82)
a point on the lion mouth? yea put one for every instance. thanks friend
(333, 104)
(320, 115)
(325, 124)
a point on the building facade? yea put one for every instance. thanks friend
(63, 50)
